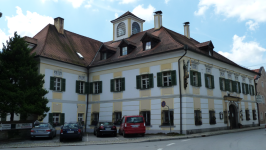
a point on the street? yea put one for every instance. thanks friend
(247, 140)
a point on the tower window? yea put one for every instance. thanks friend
(121, 29)
(135, 28)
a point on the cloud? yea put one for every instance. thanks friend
(252, 25)
(88, 6)
(25, 25)
(3, 38)
(166, 1)
(242, 9)
(245, 53)
(146, 14)
(76, 3)
(116, 15)
(127, 1)
(95, 10)
(47, 0)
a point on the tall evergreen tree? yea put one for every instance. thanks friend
(21, 86)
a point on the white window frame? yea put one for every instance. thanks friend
(145, 79)
(95, 87)
(167, 76)
(57, 84)
(118, 85)
(124, 51)
(81, 87)
(148, 45)
(195, 78)
(56, 116)
(80, 116)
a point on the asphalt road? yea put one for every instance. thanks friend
(248, 140)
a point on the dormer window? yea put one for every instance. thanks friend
(80, 56)
(210, 53)
(104, 56)
(124, 51)
(148, 46)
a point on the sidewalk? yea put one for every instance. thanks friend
(118, 140)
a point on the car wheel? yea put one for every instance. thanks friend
(143, 134)
(115, 134)
(124, 135)
(80, 139)
(61, 139)
(94, 132)
(32, 138)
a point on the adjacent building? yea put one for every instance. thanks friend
(132, 74)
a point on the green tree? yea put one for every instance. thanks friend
(21, 86)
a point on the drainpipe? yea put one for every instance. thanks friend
(87, 100)
(185, 48)
(257, 103)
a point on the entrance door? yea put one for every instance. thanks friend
(233, 117)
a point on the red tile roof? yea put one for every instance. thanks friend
(126, 14)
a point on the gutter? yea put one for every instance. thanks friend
(87, 102)
(185, 48)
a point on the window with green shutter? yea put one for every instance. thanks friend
(144, 81)
(234, 86)
(209, 81)
(52, 80)
(95, 87)
(81, 87)
(117, 85)
(159, 79)
(195, 78)
(243, 88)
(227, 88)
(222, 83)
(112, 85)
(166, 78)
(247, 89)
(239, 87)
(57, 84)
(63, 85)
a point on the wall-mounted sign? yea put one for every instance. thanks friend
(5, 126)
(23, 125)
(163, 103)
(260, 99)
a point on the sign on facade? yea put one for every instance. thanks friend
(5, 126)
(23, 125)
(260, 99)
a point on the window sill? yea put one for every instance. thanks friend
(57, 91)
(166, 126)
(210, 88)
(145, 89)
(117, 91)
(167, 86)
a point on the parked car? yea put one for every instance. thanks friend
(105, 128)
(132, 125)
(43, 130)
(71, 130)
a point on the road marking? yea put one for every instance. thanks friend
(160, 149)
(185, 140)
(87, 138)
(170, 144)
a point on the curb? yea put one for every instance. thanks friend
(141, 141)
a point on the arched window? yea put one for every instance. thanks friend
(135, 28)
(121, 29)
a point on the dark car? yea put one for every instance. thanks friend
(105, 128)
(72, 130)
(43, 130)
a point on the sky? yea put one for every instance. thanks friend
(237, 28)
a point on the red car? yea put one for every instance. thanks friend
(132, 125)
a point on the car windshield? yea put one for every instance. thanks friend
(42, 125)
(106, 123)
(70, 126)
(134, 120)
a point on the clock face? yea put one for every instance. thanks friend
(135, 28)
(121, 29)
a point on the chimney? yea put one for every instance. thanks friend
(59, 24)
(186, 30)
(157, 19)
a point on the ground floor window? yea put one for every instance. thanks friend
(212, 117)
(247, 115)
(56, 119)
(225, 117)
(94, 118)
(147, 117)
(117, 118)
(198, 118)
(80, 118)
(254, 114)
(165, 118)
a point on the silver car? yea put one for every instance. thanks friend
(43, 130)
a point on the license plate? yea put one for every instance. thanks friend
(107, 128)
(134, 126)
(70, 131)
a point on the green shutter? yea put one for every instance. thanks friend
(234, 84)
(244, 92)
(220, 81)
(151, 80)
(206, 81)
(138, 82)
(100, 87)
(77, 86)
(91, 88)
(250, 89)
(253, 90)
(247, 89)
(63, 84)
(123, 86)
(52, 79)
(191, 78)
(87, 87)
(212, 80)
(112, 85)
(226, 85)
(50, 118)
(173, 76)
(239, 87)
(199, 78)
(159, 79)
(62, 118)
